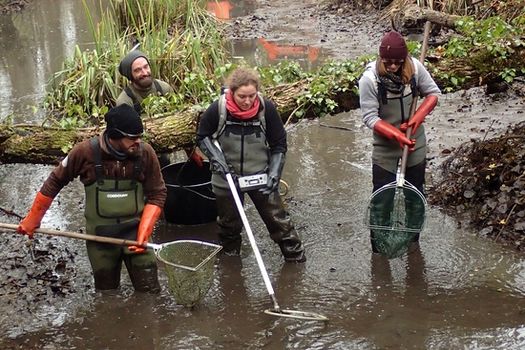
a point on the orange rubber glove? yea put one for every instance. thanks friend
(428, 105)
(149, 217)
(391, 132)
(195, 156)
(33, 219)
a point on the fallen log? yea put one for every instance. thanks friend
(44, 145)
(414, 16)
(36, 144)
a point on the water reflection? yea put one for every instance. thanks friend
(220, 9)
(35, 43)
(262, 51)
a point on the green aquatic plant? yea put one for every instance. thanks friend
(182, 40)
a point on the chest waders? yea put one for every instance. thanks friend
(243, 143)
(396, 214)
(394, 108)
(113, 209)
(246, 150)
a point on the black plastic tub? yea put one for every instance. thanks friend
(190, 199)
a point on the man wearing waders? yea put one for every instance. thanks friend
(124, 192)
(253, 141)
(135, 66)
(386, 91)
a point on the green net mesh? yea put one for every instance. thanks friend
(189, 266)
(396, 216)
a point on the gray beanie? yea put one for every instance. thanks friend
(125, 65)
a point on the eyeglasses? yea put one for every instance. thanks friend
(388, 62)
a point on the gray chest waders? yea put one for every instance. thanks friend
(394, 109)
(244, 146)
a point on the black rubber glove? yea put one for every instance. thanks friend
(275, 170)
(215, 156)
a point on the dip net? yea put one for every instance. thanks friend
(395, 216)
(189, 266)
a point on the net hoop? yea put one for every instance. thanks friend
(300, 315)
(215, 249)
(393, 229)
(406, 186)
(389, 186)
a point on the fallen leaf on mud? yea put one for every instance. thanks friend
(486, 231)
(469, 194)
(519, 226)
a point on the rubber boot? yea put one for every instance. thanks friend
(279, 225)
(292, 249)
(142, 270)
(106, 263)
(414, 213)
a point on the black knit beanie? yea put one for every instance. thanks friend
(125, 65)
(123, 121)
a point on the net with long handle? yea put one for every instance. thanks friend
(396, 211)
(395, 216)
(189, 266)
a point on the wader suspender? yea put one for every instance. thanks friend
(95, 146)
(223, 120)
(136, 103)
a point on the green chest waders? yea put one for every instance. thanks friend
(113, 209)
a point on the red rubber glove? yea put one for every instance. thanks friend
(428, 105)
(33, 219)
(391, 132)
(149, 217)
(195, 156)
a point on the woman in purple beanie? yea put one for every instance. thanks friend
(386, 90)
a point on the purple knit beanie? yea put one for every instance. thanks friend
(393, 46)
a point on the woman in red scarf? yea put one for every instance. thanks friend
(253, 141)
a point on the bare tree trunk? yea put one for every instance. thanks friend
(413, 16)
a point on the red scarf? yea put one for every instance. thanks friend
(236, 112)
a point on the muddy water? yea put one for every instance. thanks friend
(456, 291)
(34, 44)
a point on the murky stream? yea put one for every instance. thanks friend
(458, 291)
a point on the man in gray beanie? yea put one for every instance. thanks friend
(136, 67)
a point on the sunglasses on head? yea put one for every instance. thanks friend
(389, 62)
(130, 136)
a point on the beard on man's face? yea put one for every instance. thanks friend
(144, 82)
